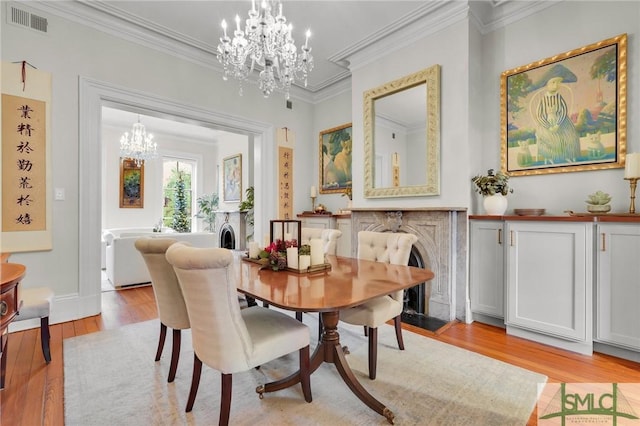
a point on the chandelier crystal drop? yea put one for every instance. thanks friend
(138, 146)
(266, 42)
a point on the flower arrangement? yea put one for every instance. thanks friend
(492, 183)
(276, 253)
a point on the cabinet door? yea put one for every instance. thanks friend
(344, 242)
(486, 268)
(326, 222)
(618, 285)
(549, 278)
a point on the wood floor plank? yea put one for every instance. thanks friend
(30, 383)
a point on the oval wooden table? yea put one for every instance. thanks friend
(10, 274)
(348, 283)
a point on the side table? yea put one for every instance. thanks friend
(11, 274)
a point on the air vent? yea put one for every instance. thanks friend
(29, 20)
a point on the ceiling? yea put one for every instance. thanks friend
(338, 28)
(341, 29)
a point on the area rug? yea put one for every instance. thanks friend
(110, 378)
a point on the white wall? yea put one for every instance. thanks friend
(69, 51)
(448, 48)
(566, 26)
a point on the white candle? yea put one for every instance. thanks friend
(224, 28)
(313, 192)
(287, 236)
(632, 166)
(237, 23)
(304, 261)
(292, 257)
(306, 41)
(254, 250)
(317, 253)
(265, 241)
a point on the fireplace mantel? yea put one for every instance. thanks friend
(442, 244)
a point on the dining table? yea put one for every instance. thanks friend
(341, 284)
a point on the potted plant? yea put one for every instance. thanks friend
(247, 206)
(493, 187)
(598, 202)
(207, 206)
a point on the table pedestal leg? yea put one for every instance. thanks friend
(329, 350)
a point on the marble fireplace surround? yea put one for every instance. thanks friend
(442, 244)
(236, 220)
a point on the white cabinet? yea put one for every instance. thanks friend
(343, 224)
(486, 267)
(618, 285)
(549, 282)
(318, 221)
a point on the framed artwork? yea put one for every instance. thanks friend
(335, 159)
(131, 184)
(566, 113)
(232, 178)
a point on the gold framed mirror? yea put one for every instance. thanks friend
(402, 136)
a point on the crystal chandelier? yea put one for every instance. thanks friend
(138, 146)
(267, 42)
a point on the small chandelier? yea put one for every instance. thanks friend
(138, 146)
(267, 42)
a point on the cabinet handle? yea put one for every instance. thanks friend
(603, 247)
(511, 238)
(499, 236)
(4, 308)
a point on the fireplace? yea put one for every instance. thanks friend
(232, 233)
(441, 247)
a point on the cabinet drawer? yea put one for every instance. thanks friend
(8, 305)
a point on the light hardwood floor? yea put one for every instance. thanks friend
(33, 391)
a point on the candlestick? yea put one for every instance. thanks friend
(313, 198)
(633, 182)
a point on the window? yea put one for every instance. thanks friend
(177, 193)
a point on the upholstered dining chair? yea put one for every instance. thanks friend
(329, 238)
(172, 310)
(389, 247)
(225, 337)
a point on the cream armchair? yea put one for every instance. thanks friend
(329, 238)
(224, 337)
(389, 247)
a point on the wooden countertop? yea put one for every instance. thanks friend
(575, 217)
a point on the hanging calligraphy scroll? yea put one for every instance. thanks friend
(26, 152)
(285, 139)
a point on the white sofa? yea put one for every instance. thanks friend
(329, 238)
(125, 265)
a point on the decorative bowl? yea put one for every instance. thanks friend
(529, 212)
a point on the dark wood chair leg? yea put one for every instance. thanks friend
(366, 330)
(397, 321)
(225, 400)
(175, 355)
(163, 335)
(305, 373)
(299, 316)
(45, 337)
(195, 382)
(320, 327)
(373, 352)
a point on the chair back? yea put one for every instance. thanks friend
(219, 333)
(329, 238)
(172, 310)
(386, 247)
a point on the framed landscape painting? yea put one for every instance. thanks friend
(232, 178)
(335, 159)
(566, 113)
(131, 184)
